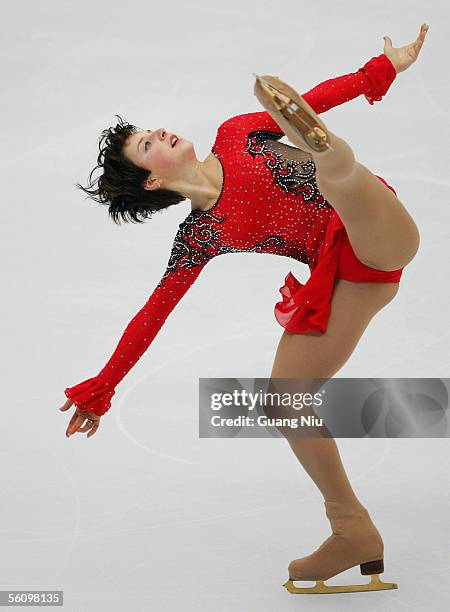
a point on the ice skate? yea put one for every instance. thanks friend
(296, 110)
(355, 541)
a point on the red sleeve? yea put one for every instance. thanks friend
(373, 80)
(94, 394)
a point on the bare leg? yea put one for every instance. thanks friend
(321, 356)
(355, 539)
(380, 229)
(320, 458)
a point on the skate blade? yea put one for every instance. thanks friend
(297, 116)
(320, 587)
(280, 98)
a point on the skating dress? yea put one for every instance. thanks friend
(269, 203)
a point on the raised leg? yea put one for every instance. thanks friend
(382, 233)
(380, 229)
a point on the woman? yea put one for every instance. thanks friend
(312, 202)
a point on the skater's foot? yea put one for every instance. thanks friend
(332, 156)
(355, 541)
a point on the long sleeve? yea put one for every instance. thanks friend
(185, 264)
(373, 80)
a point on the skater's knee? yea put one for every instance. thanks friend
(415, 241)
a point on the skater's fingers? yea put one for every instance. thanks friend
(86, 427)
(420, 39)
(67, 404)
(94, 429)
(387, 42)
(92, 423)
(90, 428)
(91, 416)
(75, 422)
(71, 424)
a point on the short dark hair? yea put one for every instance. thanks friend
(121, 184)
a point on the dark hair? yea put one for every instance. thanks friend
(121, 184)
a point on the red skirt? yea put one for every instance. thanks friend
(306, 307)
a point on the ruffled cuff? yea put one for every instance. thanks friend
(381, 73)
(91, 395)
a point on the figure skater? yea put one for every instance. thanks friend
(312, 202)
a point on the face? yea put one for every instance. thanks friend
(153, 151)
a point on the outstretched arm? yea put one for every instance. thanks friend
(93, 396)
(373, 80)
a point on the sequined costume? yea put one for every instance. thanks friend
(269, 203)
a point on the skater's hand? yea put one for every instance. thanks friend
(403, 57)
(78, 418)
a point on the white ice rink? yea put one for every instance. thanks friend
(145, 516)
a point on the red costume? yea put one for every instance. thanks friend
(269, 203)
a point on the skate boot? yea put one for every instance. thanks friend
(284, 100)
(355, 541)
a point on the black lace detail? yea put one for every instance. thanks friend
(285, 171)
(268, 244)
(197, 241)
